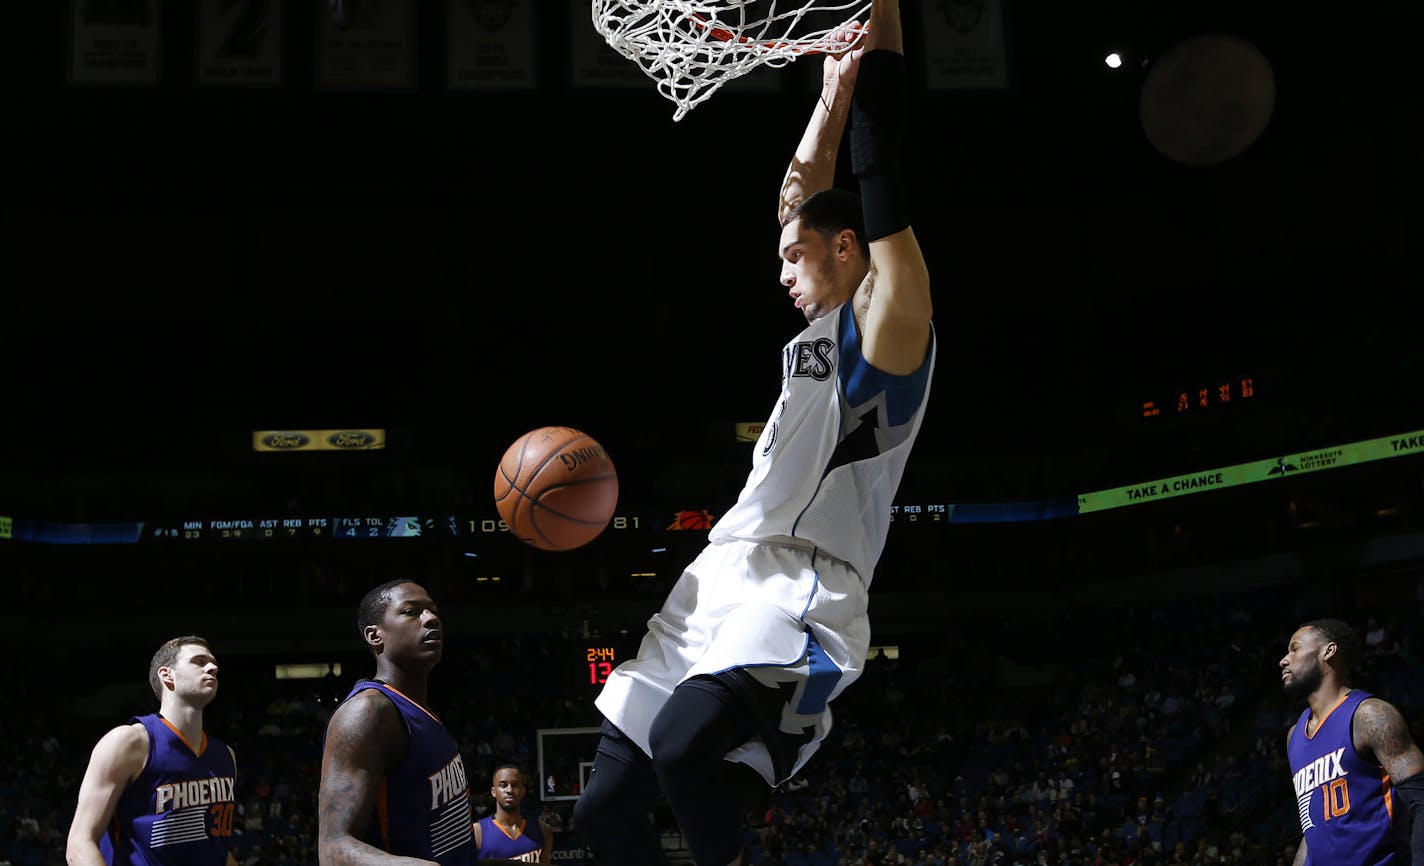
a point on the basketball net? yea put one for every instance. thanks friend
(690, 48)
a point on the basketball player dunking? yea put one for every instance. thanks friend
(769, 623)
(1352, 759)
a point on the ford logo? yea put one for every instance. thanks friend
(286, 440)
(351, 439)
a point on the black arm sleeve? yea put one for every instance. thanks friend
(876, 132)
(1411, 792)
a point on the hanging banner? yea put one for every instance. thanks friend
(240, 44)
(114, 42)
(491, 45)
(966, 45)
(367, 46)
(1333, 457)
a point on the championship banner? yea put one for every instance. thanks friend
(1333, 457)
(240, 44)
(592, 62)
(490, 45)
(365, 46)
(114, 42)
(346, 439)
(966, 46)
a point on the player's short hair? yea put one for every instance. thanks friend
(372, 608)
(508, 766)
(829, 211)
(1348, 648)
(168, 654)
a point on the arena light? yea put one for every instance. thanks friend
(307, 670)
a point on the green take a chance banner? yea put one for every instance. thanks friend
(1289, 465)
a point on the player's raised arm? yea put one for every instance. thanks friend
(364, 738)
(813, 165)
(117, 760)
(896, 296)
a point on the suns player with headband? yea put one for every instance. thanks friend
(393, 787)
(507, 834)
(1357, 773)
(769, 623)
(159, 791)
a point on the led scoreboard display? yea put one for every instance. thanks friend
(1220, 393)
(273, 528)
(245, 528)
(600, 660)
(399, 526)
(456, 526)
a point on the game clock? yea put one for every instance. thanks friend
(600, 660)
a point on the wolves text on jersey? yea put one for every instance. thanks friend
(809, 358)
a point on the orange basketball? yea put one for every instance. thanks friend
(556, 488)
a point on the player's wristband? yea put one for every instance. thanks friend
(877, 129)
(1411, 792)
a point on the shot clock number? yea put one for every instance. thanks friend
(600, 664)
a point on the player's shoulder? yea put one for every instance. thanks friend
(1374, 709)
(369, 714)
(1377, 722)
(366, 704)
(124, 748)
(128, 735)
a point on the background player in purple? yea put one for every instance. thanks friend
(393, 787)
(507, 833)
(159, 791)
(1353, 762)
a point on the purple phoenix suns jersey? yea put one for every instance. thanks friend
(178, 812)
(524, 847)
(423, 806)
(1346, 803)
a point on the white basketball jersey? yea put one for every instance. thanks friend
(834, 450)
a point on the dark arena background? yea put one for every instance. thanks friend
(1177, 408)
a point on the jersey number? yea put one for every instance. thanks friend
(1337, 798)
(222, 819)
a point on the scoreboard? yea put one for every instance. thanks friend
(368, 526)
(460, 525)
(920, 514)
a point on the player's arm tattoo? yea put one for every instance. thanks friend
(364, 740)
(1380, 731)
